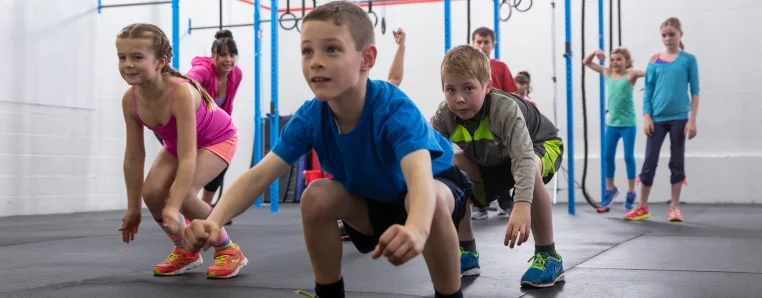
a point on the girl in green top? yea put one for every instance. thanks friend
(620, 79)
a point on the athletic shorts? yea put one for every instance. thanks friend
(384, 215)
(497, 181)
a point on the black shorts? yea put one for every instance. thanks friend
(498, 180)
(383, 215)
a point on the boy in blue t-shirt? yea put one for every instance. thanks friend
(393, 185)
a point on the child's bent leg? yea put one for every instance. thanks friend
(542, 211)
(465, 232)
(158, 182)
(324, 202)
(441, 249)
(228, 256)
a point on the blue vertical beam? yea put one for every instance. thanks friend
(275, 117)
(257, 90)
(99, 6)
(447, 29)
(496, 15)
(602, 103)
(569, 108)
(175, 34)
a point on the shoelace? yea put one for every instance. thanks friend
(221, 259)
(303, 293)
(172, 257)
(539, 261)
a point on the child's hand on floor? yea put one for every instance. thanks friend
(519, 224)
(400, 244)
(201, 234)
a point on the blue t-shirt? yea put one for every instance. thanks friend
(367, 159)
(666, 88)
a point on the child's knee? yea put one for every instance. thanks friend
(466, 165)
(154, 194)
(318, 199)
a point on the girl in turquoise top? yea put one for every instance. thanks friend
(667, 109)
(620, 79)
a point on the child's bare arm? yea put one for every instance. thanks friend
(416, 168)
(588, 61)
(247, 188)
(184, 111)
(397, 69)
(134, 155)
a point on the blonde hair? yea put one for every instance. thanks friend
(625, 53)
(674, 23)
(346, 14)
(466, 61)
(161, 47)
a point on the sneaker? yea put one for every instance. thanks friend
(630, 202)
(609, 198)
(674, 215)
(179, 261)
(638, 214)
(469, 263)
(504, 207)
(227, 262)
(479, 214)
(545, 271)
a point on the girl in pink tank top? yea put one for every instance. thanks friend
(199, 142)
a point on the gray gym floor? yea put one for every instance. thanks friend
(715, 253)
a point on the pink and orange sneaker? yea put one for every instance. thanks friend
(227, 262)
(675, 215)
(640, 213)
(179, 261)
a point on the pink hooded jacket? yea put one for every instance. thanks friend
(204, 72)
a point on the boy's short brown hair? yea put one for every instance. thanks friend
(466, 61)
(348, 14)
(484, 32)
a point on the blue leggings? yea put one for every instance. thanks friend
(611, 139)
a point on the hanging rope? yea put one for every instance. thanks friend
(584, 126)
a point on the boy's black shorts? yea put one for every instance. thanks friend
(384, 215)
(498, 180)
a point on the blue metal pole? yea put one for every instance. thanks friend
(569, 108)
(602, 103)
(99, 6)
(447, 25)
(257, 90)
(275, 117)
(496, 15)
(176, 34)
(190, 27)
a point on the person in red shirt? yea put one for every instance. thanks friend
(484, 39)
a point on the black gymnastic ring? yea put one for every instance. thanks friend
(383, 25)
(516, 4)
(375, 17)
(281, 19)
(510, 10)
(298, 29)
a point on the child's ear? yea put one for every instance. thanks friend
(162, 62)
(488, 87)
(369, 54)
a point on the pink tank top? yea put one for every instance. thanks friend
(212, 127)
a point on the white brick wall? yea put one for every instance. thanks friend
(61, 159)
